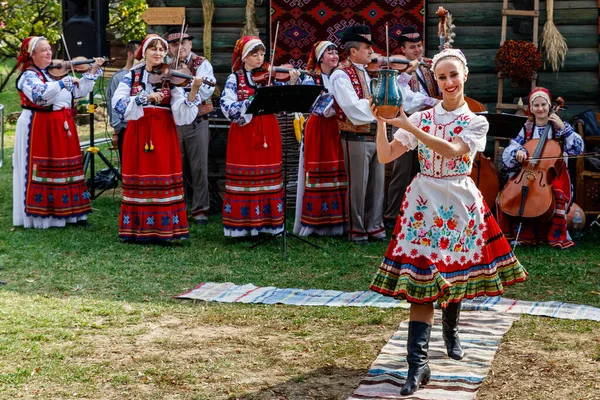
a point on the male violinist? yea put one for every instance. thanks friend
(194, 137)
(419, 91)
(116, 122)
(350, 88)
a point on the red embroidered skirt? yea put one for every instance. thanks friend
(253, 201)
(446, 246)
(153, 207)
(55, 182)
(325, 181)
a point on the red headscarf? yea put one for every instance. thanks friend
(316, 53)
(243, 47)
(142, 50)
(27, 48)
(538, 92)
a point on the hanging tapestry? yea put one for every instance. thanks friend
(304, 22)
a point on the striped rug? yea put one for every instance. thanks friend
(231, 293)
(480, 335)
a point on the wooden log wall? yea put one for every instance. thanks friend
(478, 27)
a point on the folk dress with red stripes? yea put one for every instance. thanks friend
(153, 207)
(253, 201)
(49, 188)
(323, 183)
(446, 244)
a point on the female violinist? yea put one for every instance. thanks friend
(253, 201)
(322, 181)
(554, 230)
(49, 189)
(446, 245)
(153, 207)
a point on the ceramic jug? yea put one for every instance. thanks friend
(386, 93)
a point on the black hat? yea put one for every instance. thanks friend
(409, 34)
(173, 35)
(357, 33)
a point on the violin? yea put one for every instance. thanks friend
(181, 77)
(58, 69)
(529, 194)
(281, 73)
(399, 62)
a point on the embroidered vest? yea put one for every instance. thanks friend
(137, 86)
(430, 84)
(25, 102)
(244, 89)
(207, 105)
(359, 84)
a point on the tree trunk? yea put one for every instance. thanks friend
(5, 81)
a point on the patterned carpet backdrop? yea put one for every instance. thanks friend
(304, 22)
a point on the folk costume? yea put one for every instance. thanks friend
(350, 88)
(253, 201)
(554, 232)
(153, 207)
(419, 92)
(194, 137)
(321, 199)
(446, 244)
(49, 188)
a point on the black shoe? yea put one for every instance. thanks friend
(83, 222)
(362, 242)
(389, 223)
(417, 347)
(450, 317)
(201, 222)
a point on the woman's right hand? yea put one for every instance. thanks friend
(521, 156)
(155, 97)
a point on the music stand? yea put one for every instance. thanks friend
(505, 126)
(275, 99)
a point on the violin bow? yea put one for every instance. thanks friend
(387, 45)
(273, 54)
(180, 42)
(62, 36)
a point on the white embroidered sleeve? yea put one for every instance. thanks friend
(406, 138)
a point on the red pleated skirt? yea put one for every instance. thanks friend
(325, 181)
(55, 181)
(153, 207)
(253, 201)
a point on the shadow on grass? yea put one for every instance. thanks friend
(326, 383)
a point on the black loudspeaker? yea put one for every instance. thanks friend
(84, 27)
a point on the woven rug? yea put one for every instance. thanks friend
(250, 294)
(304, 22)
(480, 335)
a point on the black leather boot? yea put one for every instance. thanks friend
(450, 316)
(417, 346)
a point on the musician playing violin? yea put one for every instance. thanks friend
(49, 189)
(554, 231)
(194, 137)
(253, 201)
(322, 184)
(153, 206)
(419, 92)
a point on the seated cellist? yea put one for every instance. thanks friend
(554, 231)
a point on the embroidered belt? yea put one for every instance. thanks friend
(50, 109)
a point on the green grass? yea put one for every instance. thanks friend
(9, 97)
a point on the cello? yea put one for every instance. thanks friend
(483, 171)
(528, 194)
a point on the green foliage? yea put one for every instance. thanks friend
(22, 18)
(125, 18)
